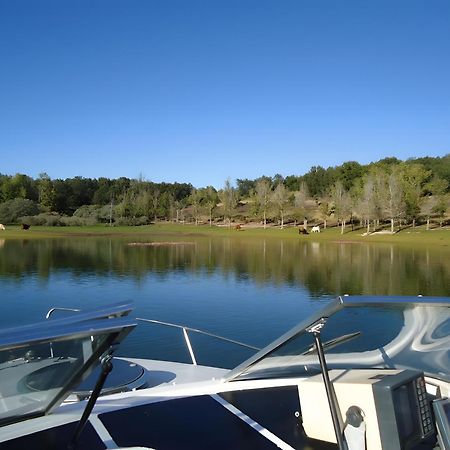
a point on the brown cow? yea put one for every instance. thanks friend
(25, 226)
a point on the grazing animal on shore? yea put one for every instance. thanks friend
(2, 227)
(237, 227)
(25, 226)
(302, 230)
(315, 229)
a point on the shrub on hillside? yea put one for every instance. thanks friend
(43, 219)
(54, 220)
(95, 213)
(133, 221)
(76, 221)
(12, 210)
(87, 212)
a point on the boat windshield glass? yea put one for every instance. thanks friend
(41, 368)
(362, 333)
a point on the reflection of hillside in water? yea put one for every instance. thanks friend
(324, 268)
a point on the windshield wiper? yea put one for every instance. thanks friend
(333, 342)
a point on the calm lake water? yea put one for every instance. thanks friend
(249, 290)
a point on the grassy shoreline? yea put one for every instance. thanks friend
(413, 236)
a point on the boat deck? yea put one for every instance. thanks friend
(235, 420)
(56, 439)
(260, 419)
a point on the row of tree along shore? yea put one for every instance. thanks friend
(388, 193)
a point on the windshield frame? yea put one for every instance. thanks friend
(338, 304)
(88, 334)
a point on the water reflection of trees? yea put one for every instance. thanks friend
(323, 268)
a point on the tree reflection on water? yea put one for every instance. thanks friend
(322, 268)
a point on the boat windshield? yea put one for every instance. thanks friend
(362, 332)
(42, 363)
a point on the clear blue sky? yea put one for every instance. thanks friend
(199, 91)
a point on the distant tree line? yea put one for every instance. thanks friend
(389, 190)
(99, 200)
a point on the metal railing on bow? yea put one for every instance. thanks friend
(186, 329)
(57, 308)
(49, 314)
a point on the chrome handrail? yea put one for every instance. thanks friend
(185, 329)
(195, 330)
(52, 310)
